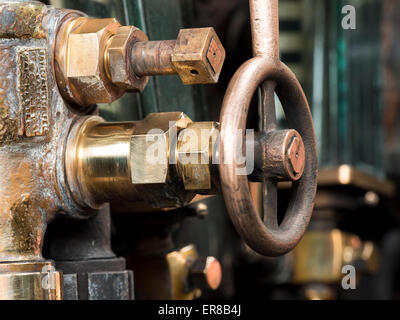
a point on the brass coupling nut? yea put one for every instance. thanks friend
(197, 157)
(118, 59)
(92, 61)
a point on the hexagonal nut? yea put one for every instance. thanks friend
(150, 146)
(85, 57)
(296, 155)
(152, 153)
(198, 56)
(119, 53)
(197, 156)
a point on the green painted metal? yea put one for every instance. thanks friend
(348, 105)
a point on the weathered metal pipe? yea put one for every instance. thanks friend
(153, 58)
(264, 19)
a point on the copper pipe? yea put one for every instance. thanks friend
(266, 237)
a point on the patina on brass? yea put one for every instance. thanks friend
(280, 155)
(118, 54)
(98, 60)
(197, 56)
(34, 123)
(80, 57)
(153, 58)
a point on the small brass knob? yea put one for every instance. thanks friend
(205, 273)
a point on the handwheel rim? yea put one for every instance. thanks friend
(235, 188)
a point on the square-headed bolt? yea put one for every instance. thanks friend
(198, 56)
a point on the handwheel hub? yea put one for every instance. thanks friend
(282, 155)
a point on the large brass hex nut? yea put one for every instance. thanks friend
(197, 152)
(198, 56)
(118, 59)
(152, 159)
(83, 55)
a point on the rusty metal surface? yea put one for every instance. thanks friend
(265, 69)
(34, 125)
(120, 58)
(191, 56)
(23, 21)
(119, 66)
(150, 58)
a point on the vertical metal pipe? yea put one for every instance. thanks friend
(265, 28)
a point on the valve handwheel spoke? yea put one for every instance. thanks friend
(280, 155)
(268, 124)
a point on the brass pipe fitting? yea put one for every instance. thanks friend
(54, 161)
(321, 255)
(98, 162)
(114, 161)
(162, 161)
(98, 60)
(81, 53)
(197, 157)
(197, 56)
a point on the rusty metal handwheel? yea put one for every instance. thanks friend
(280, 155)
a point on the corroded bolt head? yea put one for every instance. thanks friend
(205, 273)
(296, 154)
(198, 56)
(282, 155)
